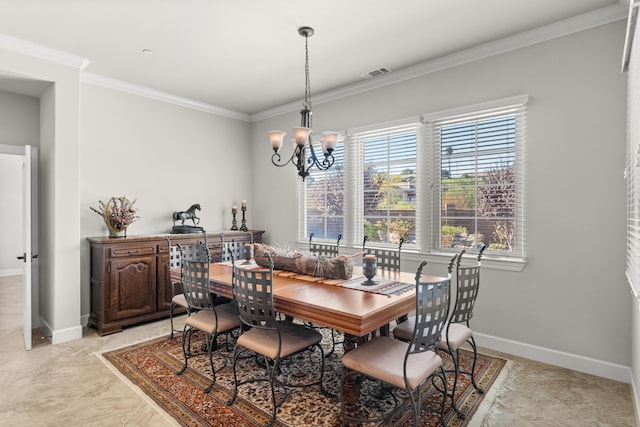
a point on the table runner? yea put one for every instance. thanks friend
(383, 286)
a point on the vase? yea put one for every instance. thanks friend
(113, 232)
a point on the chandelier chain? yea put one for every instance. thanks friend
(307, 88)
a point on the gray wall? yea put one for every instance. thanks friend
(633, 109)
(571, 301)
(165, 156)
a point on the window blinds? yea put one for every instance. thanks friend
(478, 171)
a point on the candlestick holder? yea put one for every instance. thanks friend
(243, 227)
(247, 253)
(234, 223)
(369, 266)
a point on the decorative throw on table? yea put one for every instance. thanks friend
(339, 267)
(189, 214)
(118, 213)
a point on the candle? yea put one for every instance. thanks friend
(244, 204)
(369, 266)
(234, 209)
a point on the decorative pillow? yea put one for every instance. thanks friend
(307, 263)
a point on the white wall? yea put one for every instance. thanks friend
(19, 125)
(59, 251)
(11, 214)
(166, 157)
(571, 301)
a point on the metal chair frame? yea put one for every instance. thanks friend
(467, 286)
(329, 250)
(253, 298)
(195, 283)
(231, 250)
(386, 258)
(432, 308)
(176, 253)
(325, 249)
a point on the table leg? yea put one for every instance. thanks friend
(352, 382)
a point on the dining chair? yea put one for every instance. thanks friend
(194, 251)
(405, 365)
(177, 296)
(328, 250)
(231, 249)
(325, 249)
(386, 259)
(206, 317)
(264, 334)
(457, 330)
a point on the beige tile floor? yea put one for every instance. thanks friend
(66, 384)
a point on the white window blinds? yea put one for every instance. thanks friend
(478, 172)
(388, 197)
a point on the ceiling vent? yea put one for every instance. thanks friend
(375, 73)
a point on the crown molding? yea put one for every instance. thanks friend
(133, 89)
(43, 52)
(586, 21)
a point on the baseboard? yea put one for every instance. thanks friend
(558, 358)
(84, 319)
(636, 400)
(11, 272)
(60, 335)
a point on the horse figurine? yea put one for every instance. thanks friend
(186, 215)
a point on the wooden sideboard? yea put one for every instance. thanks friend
(130, 280)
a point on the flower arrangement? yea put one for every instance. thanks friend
(118, 213)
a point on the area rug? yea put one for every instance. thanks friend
(151, 366)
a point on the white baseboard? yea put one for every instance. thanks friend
(557, 358)
(11, 272)
(84, 319)
(636, 400)
(60, 335)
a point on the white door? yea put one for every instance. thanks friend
(30, 242)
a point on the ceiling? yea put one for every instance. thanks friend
(246, 55)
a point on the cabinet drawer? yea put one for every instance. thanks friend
(132, 251)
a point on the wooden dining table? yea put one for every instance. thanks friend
(331, 303)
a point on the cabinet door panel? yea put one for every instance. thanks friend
(164, 283)
(132, 283)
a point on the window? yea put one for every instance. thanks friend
(324, 198)
(388, 179)
(479, 171)
(454, 181)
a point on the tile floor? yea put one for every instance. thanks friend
(66, 384)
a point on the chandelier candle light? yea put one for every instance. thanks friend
(302, 135)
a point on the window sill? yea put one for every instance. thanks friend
(488, 261)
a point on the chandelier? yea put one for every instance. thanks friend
(302, 135)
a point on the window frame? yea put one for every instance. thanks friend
(517, 258)
(428, 190)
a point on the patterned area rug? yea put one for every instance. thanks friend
(152, 367)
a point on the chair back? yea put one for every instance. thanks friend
(195, 283)
(386, 259)
(231, 249)
(253, 295)
(467, 286)
(432, 308)
(325, 249)
(197, 251)
(174, 254)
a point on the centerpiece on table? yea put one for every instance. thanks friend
(118, 213)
